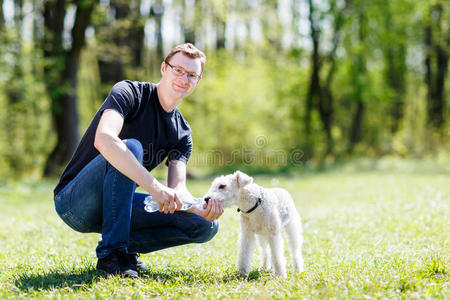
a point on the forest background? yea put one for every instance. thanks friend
(287, 82)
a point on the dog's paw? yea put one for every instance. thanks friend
(264, 269)
(241, 276)
(300, 269)
(243, 273)
(250, 276)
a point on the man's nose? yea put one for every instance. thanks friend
(185, 77)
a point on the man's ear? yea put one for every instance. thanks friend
(242, 179)
(163, 67)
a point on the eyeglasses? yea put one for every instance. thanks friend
(179, 71)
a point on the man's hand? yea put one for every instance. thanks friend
(167, 200)
(212, 211)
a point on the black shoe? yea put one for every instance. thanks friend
(134, 260)
(117, 263)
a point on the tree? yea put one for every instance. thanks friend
(2, 18)
(61, 75)
(189, 18)
(120, 35)
(320, 95)
(358, 73)
(437, 43)
(395, 62)
(157, 12)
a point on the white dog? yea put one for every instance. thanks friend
(263, 212)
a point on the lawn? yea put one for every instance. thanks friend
(376, 230)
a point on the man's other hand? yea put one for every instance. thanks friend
(211, 211)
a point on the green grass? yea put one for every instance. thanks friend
(369, 233)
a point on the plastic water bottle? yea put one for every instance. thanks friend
(151, 205)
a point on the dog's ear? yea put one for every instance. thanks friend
(242, 179)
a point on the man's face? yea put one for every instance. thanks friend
(181, 86)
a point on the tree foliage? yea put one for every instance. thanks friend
(327, 79)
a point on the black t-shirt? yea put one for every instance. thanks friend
(162, 134)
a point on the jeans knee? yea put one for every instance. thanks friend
(136, 148)
(207, 231)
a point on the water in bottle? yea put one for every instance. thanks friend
(151, 205)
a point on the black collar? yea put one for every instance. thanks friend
(251, 209)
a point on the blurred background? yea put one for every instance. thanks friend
(287, 83)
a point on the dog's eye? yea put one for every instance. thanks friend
(222, 186)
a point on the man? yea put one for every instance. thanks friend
(135, 129)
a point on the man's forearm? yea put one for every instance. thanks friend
(176, 179)
(118, 155)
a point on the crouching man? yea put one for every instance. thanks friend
(136, 128)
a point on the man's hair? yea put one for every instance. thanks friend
(190, 51)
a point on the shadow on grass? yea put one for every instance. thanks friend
(81, 279)
(57, 279)
(192, 276)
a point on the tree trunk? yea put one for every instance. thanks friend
(326, 115)
(14, 90)
(355, 133)
(14, 86)
(18, 17)
(122, 43)
(428, 68)
(220, 32)
(442, 68)
(396, 67)
(2, 18)
(157, 13)
(314, 84)
(188, 25)
(61, 77)
(436, 65)
(110, 60)
(137, 37)
(395, 55)
(326, 107)
(320, 95)
(358, 73)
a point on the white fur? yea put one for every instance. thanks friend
(276, 211)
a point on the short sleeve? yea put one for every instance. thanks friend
(182, 151)
(123, 98)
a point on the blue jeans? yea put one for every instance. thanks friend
(101, 199)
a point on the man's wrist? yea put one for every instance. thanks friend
(195, 210)
(154, 187)
(184, 196)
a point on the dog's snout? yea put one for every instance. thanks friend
(207, 199)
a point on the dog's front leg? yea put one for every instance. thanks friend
(246, 246)
(265, 252)
(277, 248)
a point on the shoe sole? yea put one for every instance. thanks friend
(118, 274)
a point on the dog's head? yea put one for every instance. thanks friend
(226, 188)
